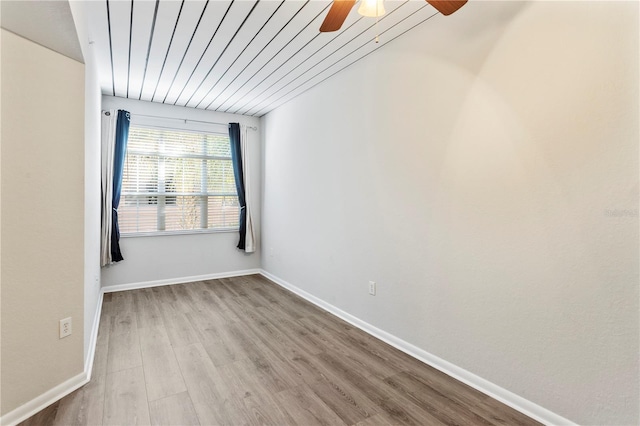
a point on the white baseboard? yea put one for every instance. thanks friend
(49, 397)
(88, 363)
(509, 398)
(181, 280)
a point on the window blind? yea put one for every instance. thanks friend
(177, 181)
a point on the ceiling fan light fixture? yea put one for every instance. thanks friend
(371, 8)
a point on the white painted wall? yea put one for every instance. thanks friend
(42, 219)
(173, 257)
(483, 169)
(92, 199)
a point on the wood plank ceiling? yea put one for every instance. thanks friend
(239, 56)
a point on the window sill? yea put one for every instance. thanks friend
(171, 233)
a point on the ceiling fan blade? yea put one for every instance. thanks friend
(337, 14)
(447, 7)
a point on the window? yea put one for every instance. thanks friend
(177, 181)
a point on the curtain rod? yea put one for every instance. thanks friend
(185, 120)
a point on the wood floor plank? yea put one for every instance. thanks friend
(480, 404)
(242, 381)
(275, 374)
(377, 420)
(179, 329)
(344, 398)
(124, 351)
(385, 353)
(270, 366)
(284, 296)
(183, 301)
(122, 322)
(168, 303)
(347, 402)
(400, 410)
(356, 339)
(232, 307)
(366, 363)
(174, 410)
(211, 400)
(251, 296)
(163, 294)
(282, 351)
(125, 401)
(324, 337)
(294, 309)
(293, 330)
(146, 309)
(216, 335)
(265, 412)
(234, 286)
(205, 300)
(249, 281)
(435, 401)
(220, 290)
(120, 302)
(161, 371)
(262, 322)
(306, 408)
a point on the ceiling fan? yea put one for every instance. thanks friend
(341, 8)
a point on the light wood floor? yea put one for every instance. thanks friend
(244, 351)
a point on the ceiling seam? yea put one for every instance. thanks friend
(146, 63)
(129, 58)
(113, 78)
(186, 50)
(168, 49)
(202, 56)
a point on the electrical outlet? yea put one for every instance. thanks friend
(372, 288)
(65, 327)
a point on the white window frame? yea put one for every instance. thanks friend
(178, 126)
